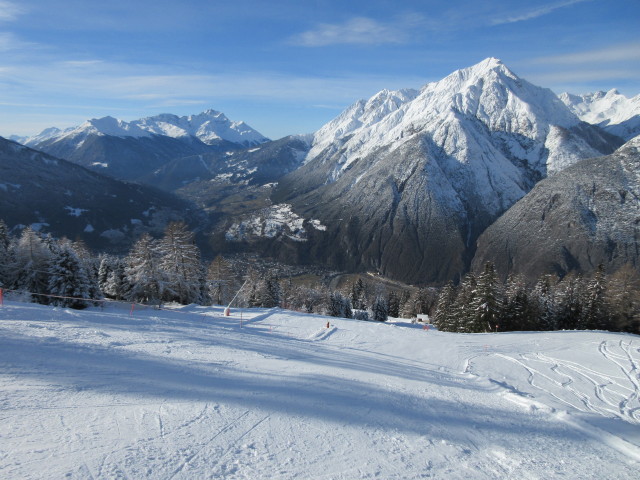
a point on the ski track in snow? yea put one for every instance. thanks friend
(267, 394)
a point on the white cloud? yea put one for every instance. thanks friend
(535, 13)
(617, 53)
(9, 11)
(359, 31)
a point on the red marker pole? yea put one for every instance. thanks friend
(133, 305)
(1, 297)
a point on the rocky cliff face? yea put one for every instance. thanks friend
(585, 215)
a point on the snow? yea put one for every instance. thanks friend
(74, 211)
(521, 116)
(190, 393)
(209, 126)
(270, 222)
(608, 108)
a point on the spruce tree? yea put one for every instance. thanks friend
(623, 299)
(570, 306)
(464, 308)
(518, 312)
(143, 272)
(486, 302)
(444, 318)
(68, 280)
(393, 304)
(544, 303)
(5, 241)
(380, 309)
(358, 301)
(30, 262)
(595, 314)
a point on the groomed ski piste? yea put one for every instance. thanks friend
(186, 393)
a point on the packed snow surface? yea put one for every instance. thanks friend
(264, 394)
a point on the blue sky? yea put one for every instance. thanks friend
(289, 66)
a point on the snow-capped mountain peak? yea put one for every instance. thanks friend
(487, 92)
(610, 110)
(209, 126)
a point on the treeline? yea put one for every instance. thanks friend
(170, 269)
(63, 272)
(481, 303)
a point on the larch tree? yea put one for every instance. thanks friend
(179, 260)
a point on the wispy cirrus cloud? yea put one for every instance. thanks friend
(615, 53)
(10, 11)
(535, 12)
(359, 31)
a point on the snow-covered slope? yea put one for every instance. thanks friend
(209, 127)
(266, 394)
(397, 177)
(611, 110)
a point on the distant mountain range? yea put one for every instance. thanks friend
(610, 110)
(412, 184)
(130, 150)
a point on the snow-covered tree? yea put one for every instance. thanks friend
(179, 260)
(487, 301)
(444, 315)
(68, 281)
(595, 314)
(518, 312)
(623, 299)
(112, 278)
(30, 263)
(380, 309)
(358, 295)
(143, 272)
(5, 241)
(339, 306)
(393, 304)
(544, 302)
(571, 294)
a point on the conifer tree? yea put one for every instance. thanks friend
(30, 264)
(595, 314)
(544, 303)
(393, 304)
(487, 301)
(339, 306)
(444, 317)
(518, 312)
(68, 280)
(464, 308)
(143, 272)
(380, 309)
(5, 241)
(358, 301)
(570, 303)
(623, 299)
